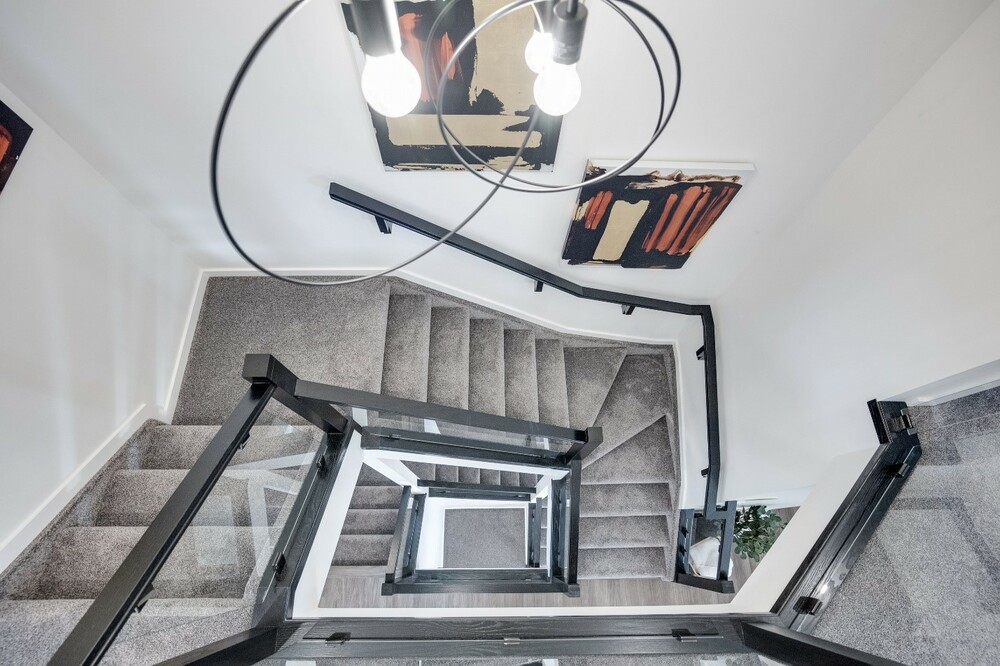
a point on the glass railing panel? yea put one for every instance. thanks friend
(207, 588)
(409, 427)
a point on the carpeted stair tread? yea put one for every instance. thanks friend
(553, 406)
(424, 471)
(621, 563)
(370, 477)
(178, 447)
(322, 335)
(590, 372)
(489, 477)
(356, 550)
(446, 473)
(527, 480)
(135, 496)
(645, 458)
(448, 368)
(32, 630)
(639, 499)
(510, 479)
(638, 397)
(520, 375)
(407, 347)
(207, 562)
(376, 497)
(624, 532)
(468, 475)
(370, 521)
(486, 366)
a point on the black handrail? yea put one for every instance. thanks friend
(383, 211)
(94, 634)
(338, 395)
(96, 631)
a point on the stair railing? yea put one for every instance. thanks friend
(388, 217)
(323, 406)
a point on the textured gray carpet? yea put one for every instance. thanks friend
(387, 336)
(407, 347)
(324, 335)
(366, 537)
(484, 538)
(206, 589)
(521, 374)
(926, 590)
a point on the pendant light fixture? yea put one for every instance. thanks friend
(389, 82)
(392, 87)
(558, 88)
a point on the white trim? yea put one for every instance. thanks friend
(60, 498)
(446, 289)
(180, 364)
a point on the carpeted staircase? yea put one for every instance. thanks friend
(458, 355)
(386, 336)
(207, 587)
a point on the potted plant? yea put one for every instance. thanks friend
(755, 530)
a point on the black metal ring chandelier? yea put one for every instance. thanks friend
(558, 37)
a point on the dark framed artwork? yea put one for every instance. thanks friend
(651, 216)
(489, 96)
(14, 134)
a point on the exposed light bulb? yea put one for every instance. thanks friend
(390, 84)
(538, 52)
(558, 89)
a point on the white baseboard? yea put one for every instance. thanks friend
(60, 498)
(445, 289)
(180, 364)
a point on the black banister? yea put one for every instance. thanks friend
(385, 212)
(315, 393)
(397, 548)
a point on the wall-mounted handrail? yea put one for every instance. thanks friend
(384, 211)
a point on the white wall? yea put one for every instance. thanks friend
(94, 304)
(887, 280)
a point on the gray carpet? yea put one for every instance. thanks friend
(388, 336)
(206, 589)
(926, 590)
(366, 537)
(484, 538)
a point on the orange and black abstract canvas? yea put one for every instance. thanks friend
(488, 98)
(14, 134)
(651, 216)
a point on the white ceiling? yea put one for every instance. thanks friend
(135, 86)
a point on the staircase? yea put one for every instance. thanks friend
(207, 586)
(388, 336)
(462, 356)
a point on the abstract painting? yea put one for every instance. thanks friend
(651, 216)
(14, 134)
(488, 99)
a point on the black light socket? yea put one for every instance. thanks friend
(377, 26)
(569, 20)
